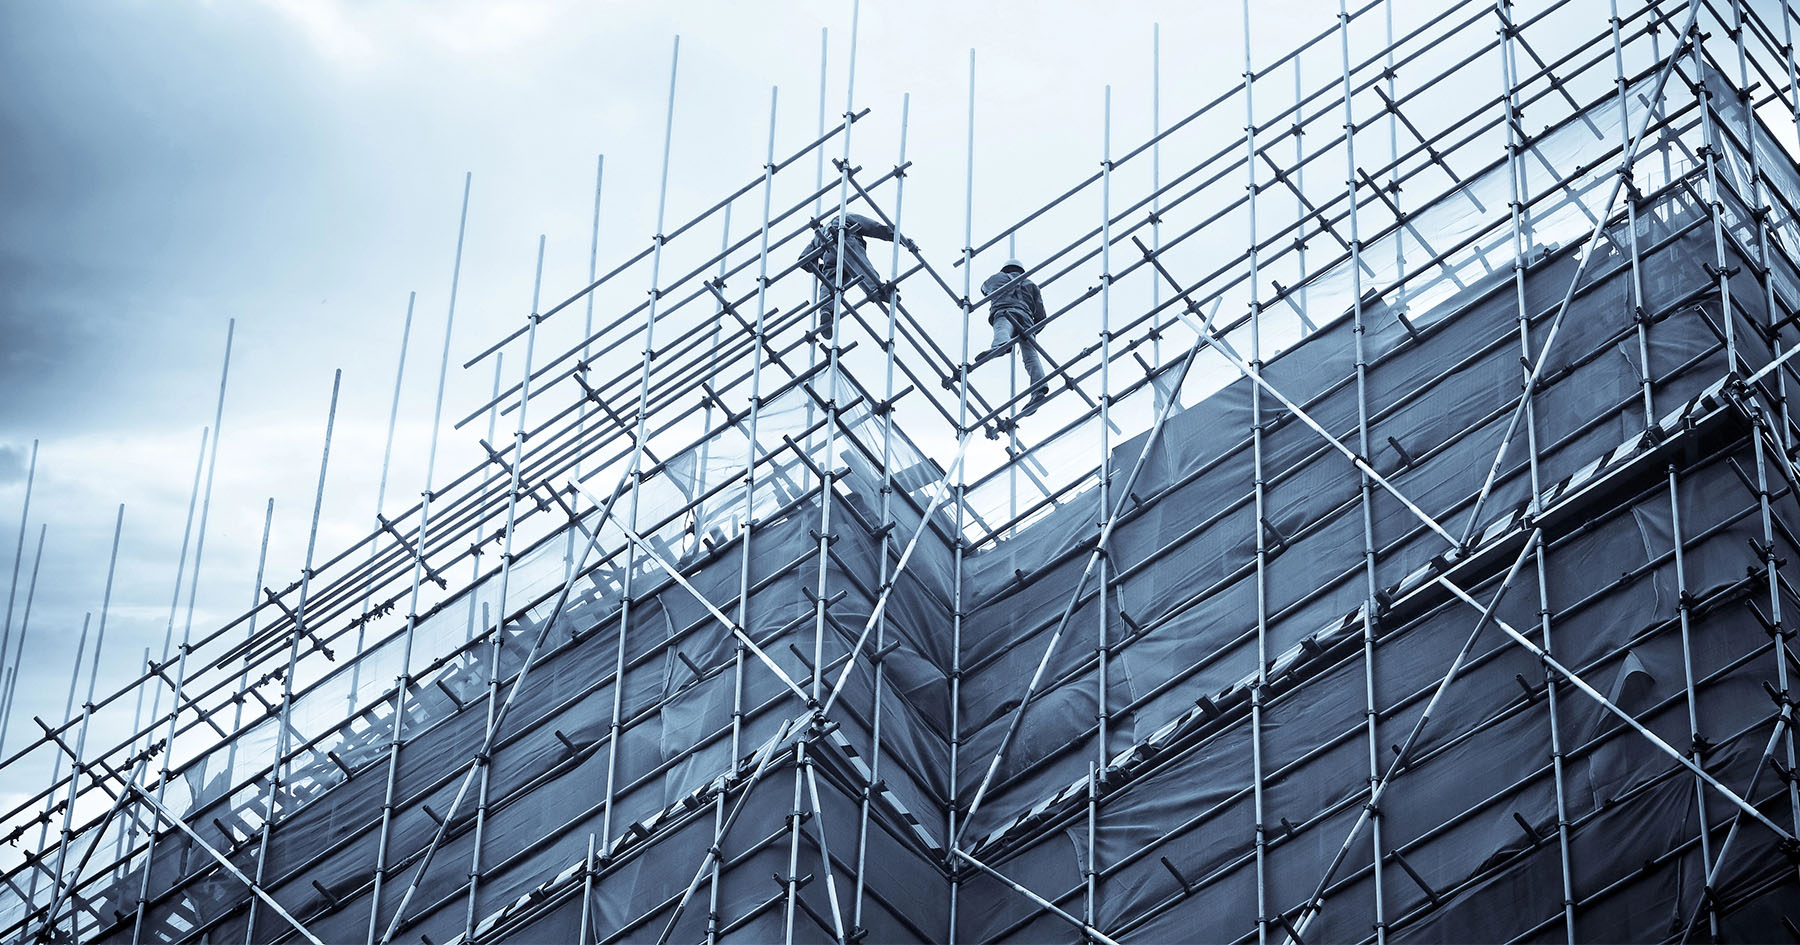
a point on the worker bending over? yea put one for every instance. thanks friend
(821, 259)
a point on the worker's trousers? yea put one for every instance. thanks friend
(1006, 330)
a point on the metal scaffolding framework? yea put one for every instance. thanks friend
(1403, 552)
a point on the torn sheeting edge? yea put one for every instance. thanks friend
(644, 830)
(1130, 761)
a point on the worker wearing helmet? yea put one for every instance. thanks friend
(1014, 306)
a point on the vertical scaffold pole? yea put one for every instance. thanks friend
(498, 627)
(812, 351)
(587, 324)
(403, 682)
(1728, 320)
(1793, 84)
(1685, 615)
(18, 556)
(243, 682)
(1521, 240)
(826, 463)
(1156, 190)
(284, 729)
(187, 630)
(387, 455)
(587, 891)
(1761, 212)
(1299, 171)
(1715, 210)
(1766, 236)
(137, 725)
(633, 469)
(885, 525)
(743, 590)
(168, 642)
(962, 500)
(1365, 488)
(187, 534)
(1398, 300)
(12, 680)
(1091, 870)
(475, 548)
(1787, 42)
(87, 715)
(1260, 690)
(1637, 282)
(57, 759)
(699, 487)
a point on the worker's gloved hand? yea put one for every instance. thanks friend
(910, 245)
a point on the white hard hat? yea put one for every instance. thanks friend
(1012, 264)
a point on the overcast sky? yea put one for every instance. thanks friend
(297, 166)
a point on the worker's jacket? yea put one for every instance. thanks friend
(1013, 295)
(820, 257)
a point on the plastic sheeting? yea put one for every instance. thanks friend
(1180, 611)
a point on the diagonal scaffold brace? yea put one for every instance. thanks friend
(656, 557)
(715, 851)
(1311, 908)
(224, 863)
(1588, 252)
(1094, 556)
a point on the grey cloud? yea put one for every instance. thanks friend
(13, 463)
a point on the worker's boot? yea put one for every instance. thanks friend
(1038, 395)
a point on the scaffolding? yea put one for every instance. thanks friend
(1403, 553)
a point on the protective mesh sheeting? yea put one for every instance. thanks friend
(1451, 812)
(1188, 558)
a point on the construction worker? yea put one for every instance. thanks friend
(820, 259)
(1014, 306)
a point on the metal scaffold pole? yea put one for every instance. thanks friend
(56, 764)
(1365, 489)
(1522, 249)
(1096, 553)
(1728, 318)
(272, 799)
(18, 558)
(1714, 206)
(827, 462)
(587, 322)
(387, 455)
(632, 476)
(1156, 186)
(181, 560)
(76, 764)
(1259, 498)
(497, 629)
(475, 551)
(953, 826)
(243, 674)
(866, 799)
(1091, 869)
(403, 683)
(586, 926)
(18, 656)
(1627, 160)
(752, 416)
(175, 705)
(168, 640)
(1762, 211)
